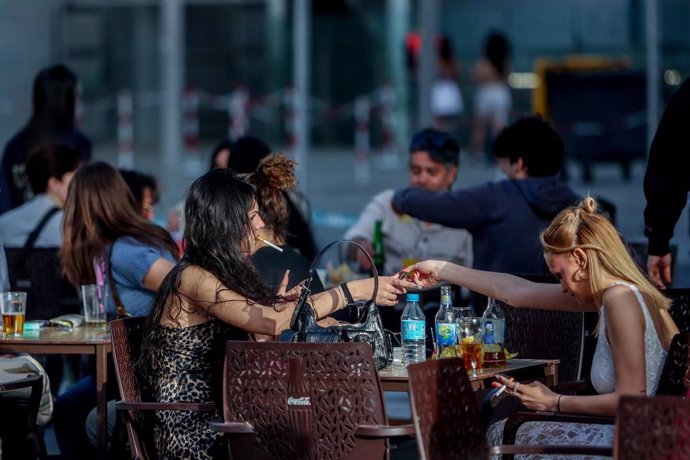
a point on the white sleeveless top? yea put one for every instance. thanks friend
(603, 372)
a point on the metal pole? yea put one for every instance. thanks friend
(426, 67)
(301, 46)
(652, 42)
(172, 82)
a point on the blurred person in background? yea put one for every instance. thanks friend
(446, 98)
(498, 214)
(492, 99)
(434, 160)
(221, 155)
(49, 170)
(52, 120)
(667, 183)
(144, 188)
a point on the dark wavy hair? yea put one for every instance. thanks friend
(217, 226)
(99, 210)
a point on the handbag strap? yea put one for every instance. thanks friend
(36, 232)
(120, 309)
(314, 264)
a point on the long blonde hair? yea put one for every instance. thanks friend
(581, 226)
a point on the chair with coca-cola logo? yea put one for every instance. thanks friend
(304, 400)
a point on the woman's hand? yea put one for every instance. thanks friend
(292, 294)
(390, 287)
(534, 395)
(424, 274)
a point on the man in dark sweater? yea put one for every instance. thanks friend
(504, 217)
(667, 182)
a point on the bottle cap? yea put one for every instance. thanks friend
(413, 297)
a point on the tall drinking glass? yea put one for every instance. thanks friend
(471, 333)
(13, 306)
(95, 299)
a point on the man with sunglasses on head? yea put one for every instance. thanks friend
(504, 217)
(434, 159)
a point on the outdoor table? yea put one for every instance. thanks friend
(83, 340)
(395, 379)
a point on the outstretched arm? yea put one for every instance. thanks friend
(205, 292)
(510, 289)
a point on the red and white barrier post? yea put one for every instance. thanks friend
(238, 113)
(125, 129)
(190, 126)
(362, 108)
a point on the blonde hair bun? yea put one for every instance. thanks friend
(589, 205)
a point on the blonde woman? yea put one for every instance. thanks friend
(596, 273)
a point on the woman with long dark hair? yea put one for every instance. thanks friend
(213, 293)
(52, 120)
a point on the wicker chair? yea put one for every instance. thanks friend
(447, 420)
(653, 428)
(126, 336)
(680, 307)
(304, 400)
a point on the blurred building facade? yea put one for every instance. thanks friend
(356, 47)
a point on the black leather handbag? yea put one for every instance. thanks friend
(369, 329)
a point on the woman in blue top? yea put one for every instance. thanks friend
(104, 233)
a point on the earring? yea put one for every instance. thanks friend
(578, 275)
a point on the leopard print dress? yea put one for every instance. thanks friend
(186, 364)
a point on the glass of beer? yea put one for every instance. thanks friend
(13, 306)
(470, 338)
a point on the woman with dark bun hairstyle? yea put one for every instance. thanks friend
(596, 272)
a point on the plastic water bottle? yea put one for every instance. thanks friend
(494, 334)
(445, 322)
(413, 329)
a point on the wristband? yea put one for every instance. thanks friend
(347, 293)
(558, 403)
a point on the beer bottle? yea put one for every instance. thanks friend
(377, 244)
